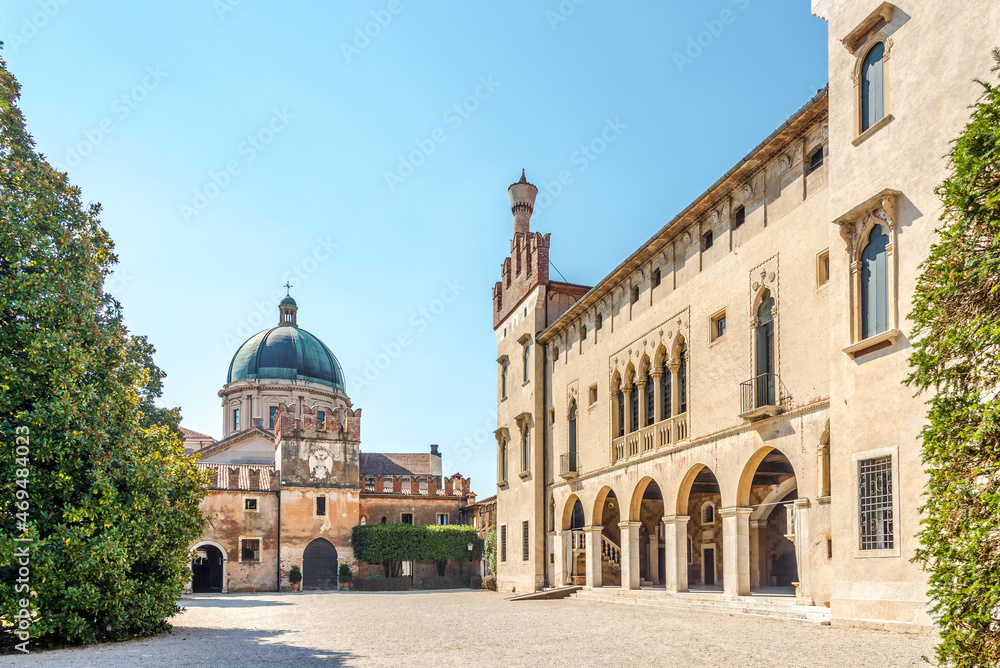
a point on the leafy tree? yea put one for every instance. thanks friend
(956, 311)
(112, 501)
(491, 548)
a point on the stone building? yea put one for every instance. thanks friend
(288, 479)
(724, 411)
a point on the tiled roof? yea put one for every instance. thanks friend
(401, 463)
(195, 435)
(241, 477)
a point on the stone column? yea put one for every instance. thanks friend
(656, 375)
(640, 387)
(629, 427)
(654, 558)
(593, 555)
(675, 400)
(630, 554)
(735, 550)
(675, 552)
(802, 562)
(758, 571)
(823, 466)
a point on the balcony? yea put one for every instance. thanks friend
(759, 397)
(651, 437)
(567, 466)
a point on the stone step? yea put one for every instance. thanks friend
(748, 605)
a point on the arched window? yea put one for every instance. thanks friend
(650, 400)
(874, 285)
(525, 448)
(527, 363)
(503, 378)
(765, 384)
(873, 87)
(621, 412)
(815, 160)
(739, 217)
(384, 521)
(666, 382)
(572, 436)
(503, 460)
(364, 520)
(682, 380)
(634, 408)
(708, 513)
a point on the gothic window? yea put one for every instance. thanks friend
(873, 86)
(874, 285)
(708, 513)
(739, 217)
(503, 379)
(621, 413)
(634, 408)
(527, 362)
(656, 278)
(650, 400)
(572, 436)
(384, 519)
(666, 383)
(503, 460)
(682, 380)
(525, 448)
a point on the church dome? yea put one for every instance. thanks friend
(286, 352)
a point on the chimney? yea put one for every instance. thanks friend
(435, 461)
(522, 203)
(434, 449)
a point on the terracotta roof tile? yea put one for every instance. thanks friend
(389, 463)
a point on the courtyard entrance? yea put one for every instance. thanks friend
(206, 570)
(319, 565)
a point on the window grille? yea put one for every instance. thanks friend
(407, 518)
(524, 540)
(250, 549)
(503, 543)
(667, 382)
(634, 408)
(321, 505)
(250, 504)
(875, 503)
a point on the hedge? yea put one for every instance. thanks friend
(382, 543)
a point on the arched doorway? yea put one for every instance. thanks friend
(319, 565)
(647, 509)
(574, 523)
(701, 503)
(207, 572)
(773, 562)
(607, 515)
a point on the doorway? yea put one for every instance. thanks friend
(319, 565)
(206, 570)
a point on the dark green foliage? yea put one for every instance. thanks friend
(294, 575)
(446, 582)
(491, 548)
(392, 544)
(114, 502)
(956, 310)
(345, 574)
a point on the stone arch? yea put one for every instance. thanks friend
(684, 489)
(568, 508)
(750, 469)
(679, 343)
(597, 515)
(645, 366)
(224, 585)
(763, 511)
(660, 357)
(629, 373)
(637, 493)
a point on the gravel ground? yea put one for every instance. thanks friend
(466, 628)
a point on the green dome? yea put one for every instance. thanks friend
(287, 353)
(287, 301)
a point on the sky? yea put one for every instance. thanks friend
(362, 151)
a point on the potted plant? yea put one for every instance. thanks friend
(346, 576)
(295, 577)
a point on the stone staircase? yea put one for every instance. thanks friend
(775, 607)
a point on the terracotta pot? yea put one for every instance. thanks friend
(296, 585)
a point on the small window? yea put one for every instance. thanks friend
(718, 326)
(503, 379)
(875, 481)
(406, 518)
(369, 480)
(635, 294)
(271, 413)
(739, 217)
(525, 449)
(823, 268)
(593, 394)
(599, 322)
(422, 485)
(320, 506)
(524, 541)
(873, 87)
(442, 519)
(555, 352)
(384, 520)
(583, 332)
(321, 419)
(236, 419)
(815, 160)
(527, 363)
(364, 520)
(250, 550)
(707, 240)
(503, 543)
(249, 504)
(708, 513)
(656, 278)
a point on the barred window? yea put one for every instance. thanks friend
(321, 505)
(875, 503)
(503, 543)
(250, 549)
(524, 540)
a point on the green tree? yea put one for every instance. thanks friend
(956, 311)
(112, 501)
(491, 549)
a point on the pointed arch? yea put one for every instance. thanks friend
(573, 510)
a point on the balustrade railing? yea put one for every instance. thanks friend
(632, 444)
(618, 449)
(648, 437)
(578, 540)
(610, 550)
(661, 434)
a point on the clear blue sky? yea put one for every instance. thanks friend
(300, 120)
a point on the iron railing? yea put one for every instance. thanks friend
(759, 391)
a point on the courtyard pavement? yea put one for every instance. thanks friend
(478, 628)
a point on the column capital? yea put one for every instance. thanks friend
(675, 519)
(594, 528)
(629, 525)
(801, 503)
(735, 511)
(656, 373)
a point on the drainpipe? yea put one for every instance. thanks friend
(277, 585)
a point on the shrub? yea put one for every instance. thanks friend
(346, 575)
(392, 544)
(491, 549)
(294, 575)
(383, 584)
(490, 582)
(374, 576)
(445, 582)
